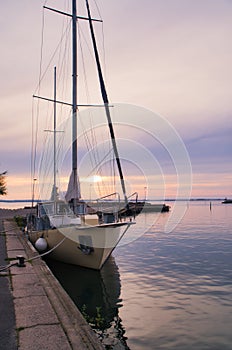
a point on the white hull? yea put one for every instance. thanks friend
(99, 240)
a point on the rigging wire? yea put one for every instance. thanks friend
(51, 59)
(63, 70)
(62, 81)
(103, 37)
(98, 9)
(103, 90)
(35, 115)
(36, 121)
(99, 164)
(90, 140)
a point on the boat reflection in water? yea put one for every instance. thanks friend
(97, 296)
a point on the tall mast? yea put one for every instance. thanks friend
(54, 136)
(74, 92)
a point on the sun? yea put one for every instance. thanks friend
(96, 178)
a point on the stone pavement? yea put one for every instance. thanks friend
(7, 316)
(45, 316)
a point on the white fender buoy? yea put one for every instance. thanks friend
(41, 244)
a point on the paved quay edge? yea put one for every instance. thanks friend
(46, 317)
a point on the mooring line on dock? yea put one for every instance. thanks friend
(21, 260)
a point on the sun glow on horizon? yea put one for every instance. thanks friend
(204, 186)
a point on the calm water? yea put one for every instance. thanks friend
(163, 291)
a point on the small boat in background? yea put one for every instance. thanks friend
(137, 207)
(149, 207)
(227, 201)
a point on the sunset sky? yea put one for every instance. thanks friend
(171, 57)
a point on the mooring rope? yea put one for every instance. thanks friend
(3, 268)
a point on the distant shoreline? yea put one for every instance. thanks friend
(18, 200)
(147, 200)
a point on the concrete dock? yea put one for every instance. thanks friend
(41, 315)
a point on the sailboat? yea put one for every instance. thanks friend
(69, 229)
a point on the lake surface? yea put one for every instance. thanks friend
(163, 290)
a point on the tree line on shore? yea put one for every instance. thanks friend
(3, 189)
